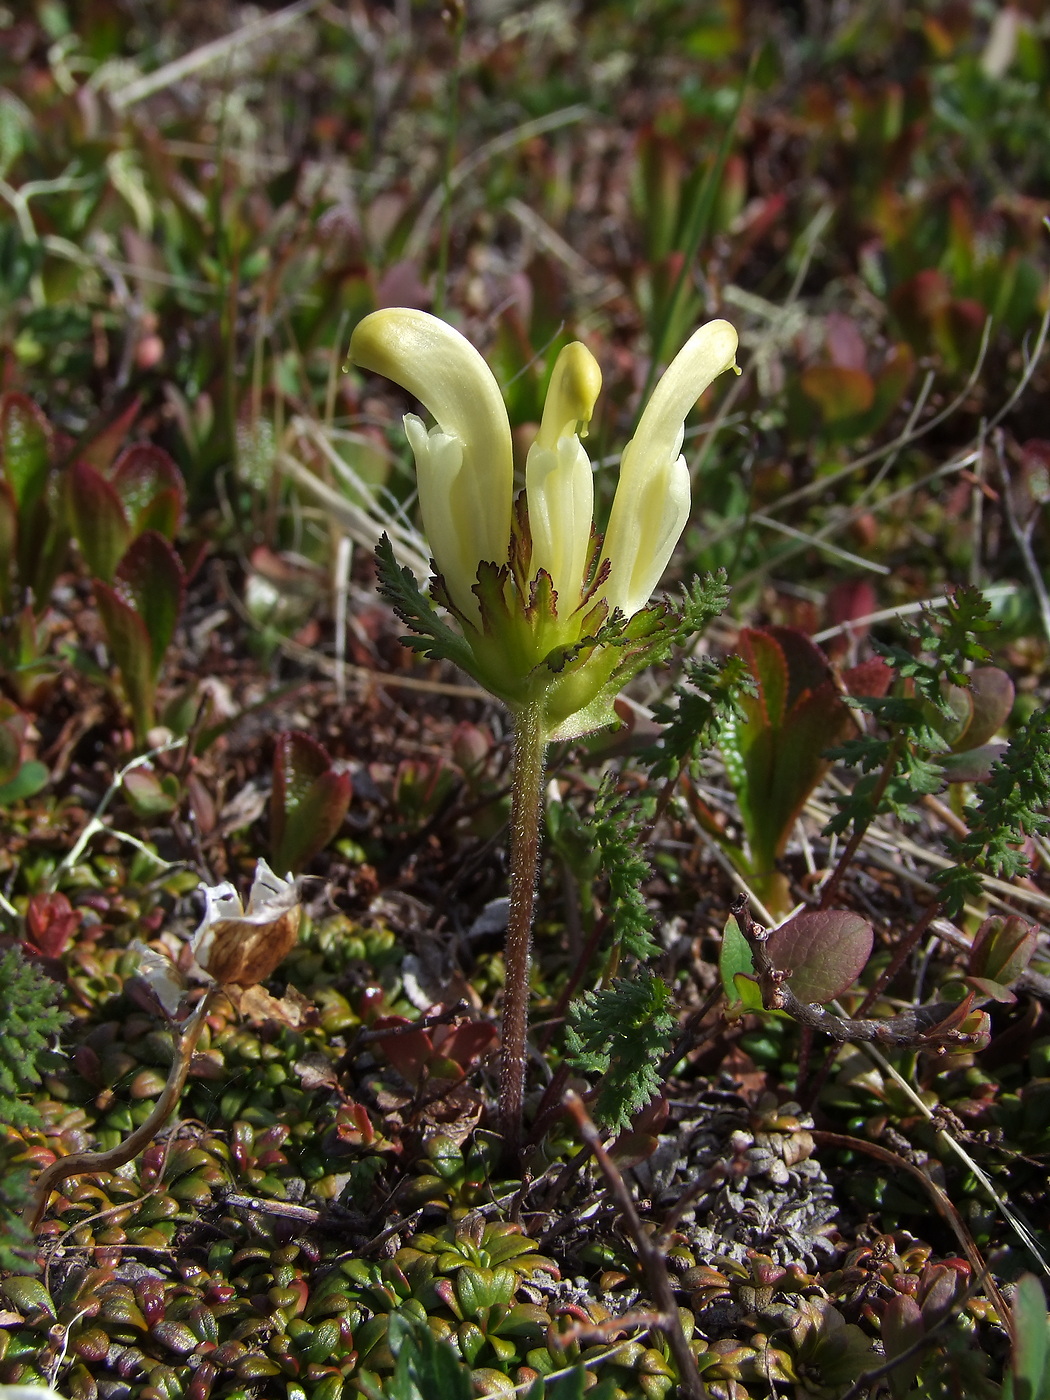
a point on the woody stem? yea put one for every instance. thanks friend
(530, 750)
(81, 1163)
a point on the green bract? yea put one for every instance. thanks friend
(548, 611)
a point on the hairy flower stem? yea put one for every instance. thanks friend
(79, 1163)
(530, 750)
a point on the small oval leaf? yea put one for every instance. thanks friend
(823, 950)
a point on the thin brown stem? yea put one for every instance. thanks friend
(649, 1253)
(857, 836)
(80, 1163)
(530, 751)
(900, 953)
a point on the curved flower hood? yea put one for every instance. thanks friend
(532, 586)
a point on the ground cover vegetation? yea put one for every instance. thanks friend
(288, 1108)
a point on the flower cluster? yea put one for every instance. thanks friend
(548, 610)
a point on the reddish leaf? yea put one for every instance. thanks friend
(151, 488)
(992, 699)
(845, 342)
(839, 393)
(466, 1042)
(824, 950)
(1002, 948)
(100, 522)
(848, 601)
(150, 576)
(129, 643)
(408, 1051)
(777, 758)
(51, 922)
(102, 448)
(149, 794)
(902, 1327)
(973, 766)
(309, 800)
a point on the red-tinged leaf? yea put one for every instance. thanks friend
(309, 800)
(824, 950)
(902, 1327)
(466, 1042)
(8, 542)
(807, 665)
(870, 678)
(776, 758)
(849, 601)
(129, 643)
(150, 795)
(1002, 948)
(315, 821)
(839, 393)
(891, 385)
(1035, 473)
(102, 448)
(100, 522)
(632, 1147)
(845, 342)
(26, 443)
(150, 576)
(938, 1286)
(973, 766)
(403, 285)
(51, 922)
(992, 699)
(408, 1051)
(995, 990)
(152, 489)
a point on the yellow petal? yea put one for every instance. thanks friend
(558, 481)
(651, 505)
(576, 382)
(465, 467)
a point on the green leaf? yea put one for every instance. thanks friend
(129, 642)
(1029, 1375)
(398, 586)
(100, 523)
(26, 441)
(776, 757)
(735, 960)
(151, 489)
(30, 779)
(426, 1368)
(8, 543)
(150, 576)
(151, 795)
(622, 1032)
(309, 800)
(1002, 948)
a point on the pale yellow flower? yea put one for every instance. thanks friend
(541, 613)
